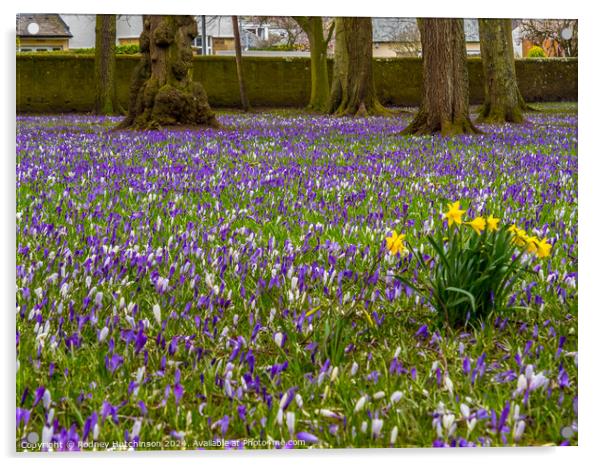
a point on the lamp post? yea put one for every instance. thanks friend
(204, 34)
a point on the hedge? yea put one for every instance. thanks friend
(53, 83)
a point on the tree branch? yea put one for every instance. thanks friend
(304, 22)
(330, 32)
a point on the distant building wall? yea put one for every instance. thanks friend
(384, 50)
(128, 40)
(473, 49)
(222, 43)
(42, 43)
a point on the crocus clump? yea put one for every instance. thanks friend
(233, 288)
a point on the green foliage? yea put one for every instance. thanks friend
(87, 51)
(469, 275)
(536, 52)
(129, 49)
(280, 47)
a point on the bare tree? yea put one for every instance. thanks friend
(562, 32)
(406, 38)
(292, 31)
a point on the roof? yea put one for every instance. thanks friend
(395, 30)
(406, 30)
(471, 30)
(50, 25)
(222, 27)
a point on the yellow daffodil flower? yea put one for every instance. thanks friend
(395, 243)
(478, 224)
(493, 223)
(454, 214)
(532, 244)
(543, 248)
(520, 237)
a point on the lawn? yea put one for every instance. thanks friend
(233, 288)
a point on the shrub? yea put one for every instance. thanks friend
(129, 49)
(88, 51)
(279, 47)
(536, 52)
(472, 266)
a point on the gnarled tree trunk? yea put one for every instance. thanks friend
(162, 92)
(318, 48)
(444, 107)
(105, 102)
(503, 101)
(353, 91)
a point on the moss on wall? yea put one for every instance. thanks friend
(57, 82)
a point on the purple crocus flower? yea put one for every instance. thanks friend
(113, 362)
(307, 437)
(22, 416)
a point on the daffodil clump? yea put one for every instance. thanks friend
(472, 265)
(532, 244)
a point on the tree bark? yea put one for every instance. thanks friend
(244, 100)
(105, 102)
(353, 91)
(318, 48)
(162, 92)
(503, 101)
(444, 107)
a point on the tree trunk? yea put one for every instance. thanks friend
(338, 86)
(353, 91)
(318, 48)
(503, 102)
(444, 107)
(162, 92)
(244, 100)
(105, 102)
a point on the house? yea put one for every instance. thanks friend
(471, 34)
(82, 27)
(219, 31)
(400, 37)
(220, 34)
(395, 37)
(42, 32)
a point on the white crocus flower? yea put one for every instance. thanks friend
(465, 410)
(519, 429)
(47, 432)
(103, 334)
(360, 404)
(290, 422)
(396, 396)
(157, 313)
(377, 425)
(394, 433)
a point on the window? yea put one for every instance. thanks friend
(197, 43)
(260, 31)
(40, 48)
